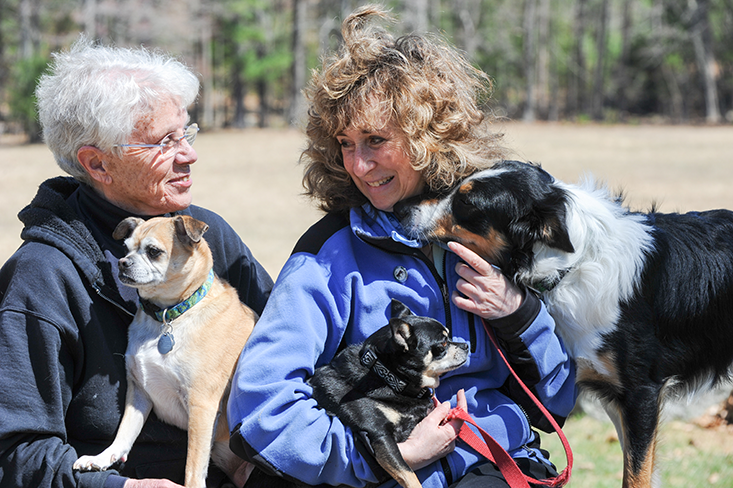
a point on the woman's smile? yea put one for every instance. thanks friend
(378, 162)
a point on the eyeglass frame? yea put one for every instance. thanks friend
(190, 138)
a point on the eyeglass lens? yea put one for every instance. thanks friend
(189, 133)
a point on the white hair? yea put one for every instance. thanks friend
(94, 95)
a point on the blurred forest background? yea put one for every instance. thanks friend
(601, 60)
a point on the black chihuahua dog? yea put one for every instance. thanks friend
(382, 388)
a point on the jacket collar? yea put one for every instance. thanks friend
(366, 221)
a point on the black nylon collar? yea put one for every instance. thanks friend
(369, 359)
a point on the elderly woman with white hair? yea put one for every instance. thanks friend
(116, 120)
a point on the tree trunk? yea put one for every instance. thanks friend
(264, 113)
(622, 74)
(298, 68)
(598, 75)
(3, 63)
(529, 59)
(29, 28)
(467, 17)
(544, 66)
(89, 15)
(577, 71)
(416, 15)
(207, 72)
(702, 41)
(238, 85)
(676, 107)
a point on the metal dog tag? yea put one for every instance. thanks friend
(166, 343)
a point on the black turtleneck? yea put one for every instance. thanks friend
(101, 218)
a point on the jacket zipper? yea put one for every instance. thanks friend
(98, 289)
(441, 284)
(472, 331)
(416, 253)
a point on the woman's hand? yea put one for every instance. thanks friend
(482, 289)
(151, 483)
(433, 438)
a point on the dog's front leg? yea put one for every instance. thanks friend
(202, 416)
(389, 457)
(137, 409)
(640, 420)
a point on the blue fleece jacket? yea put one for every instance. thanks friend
(336, 289)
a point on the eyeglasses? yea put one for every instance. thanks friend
(170, 141)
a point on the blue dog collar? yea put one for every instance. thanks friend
(166, 315)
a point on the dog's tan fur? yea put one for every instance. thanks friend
(188, 386)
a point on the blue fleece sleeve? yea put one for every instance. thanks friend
(538, 356)
(556, 388)
(270, 403)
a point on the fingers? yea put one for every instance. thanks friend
(475, 268)
(431, 439)
(150, 483)
(453, 426)
(482, 289)
(461, 399)
(472, 259)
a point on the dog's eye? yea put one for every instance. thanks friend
(438, 350)
(462, 204)
(153, 252)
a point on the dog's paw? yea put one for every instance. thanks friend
(100, 462)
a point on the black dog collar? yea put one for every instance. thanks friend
(548, 284)
(369, 359)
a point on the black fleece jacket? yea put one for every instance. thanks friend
(63, 333)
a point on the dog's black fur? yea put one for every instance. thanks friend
(644, 301)
(382, 388)
(413, 348)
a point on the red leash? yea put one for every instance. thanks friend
(491, 449)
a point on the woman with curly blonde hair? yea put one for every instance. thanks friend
(389, 119)
(431, 93)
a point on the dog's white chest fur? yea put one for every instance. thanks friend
(610, 249)
(164, 377)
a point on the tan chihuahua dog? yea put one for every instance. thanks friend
(183, 345)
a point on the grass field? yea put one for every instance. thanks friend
(252, 178)
(689, 455)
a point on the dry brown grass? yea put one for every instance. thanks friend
(252, 177)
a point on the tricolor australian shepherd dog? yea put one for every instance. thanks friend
(643, 302)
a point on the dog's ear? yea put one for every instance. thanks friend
(399, 309)
(401, 333)
(545, 223)
(124, 229)
(189, 230)
(550, 231)
(556, 235)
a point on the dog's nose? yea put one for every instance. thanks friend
(124, 263)
(399, 210)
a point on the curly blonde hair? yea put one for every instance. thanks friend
(432, 92)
